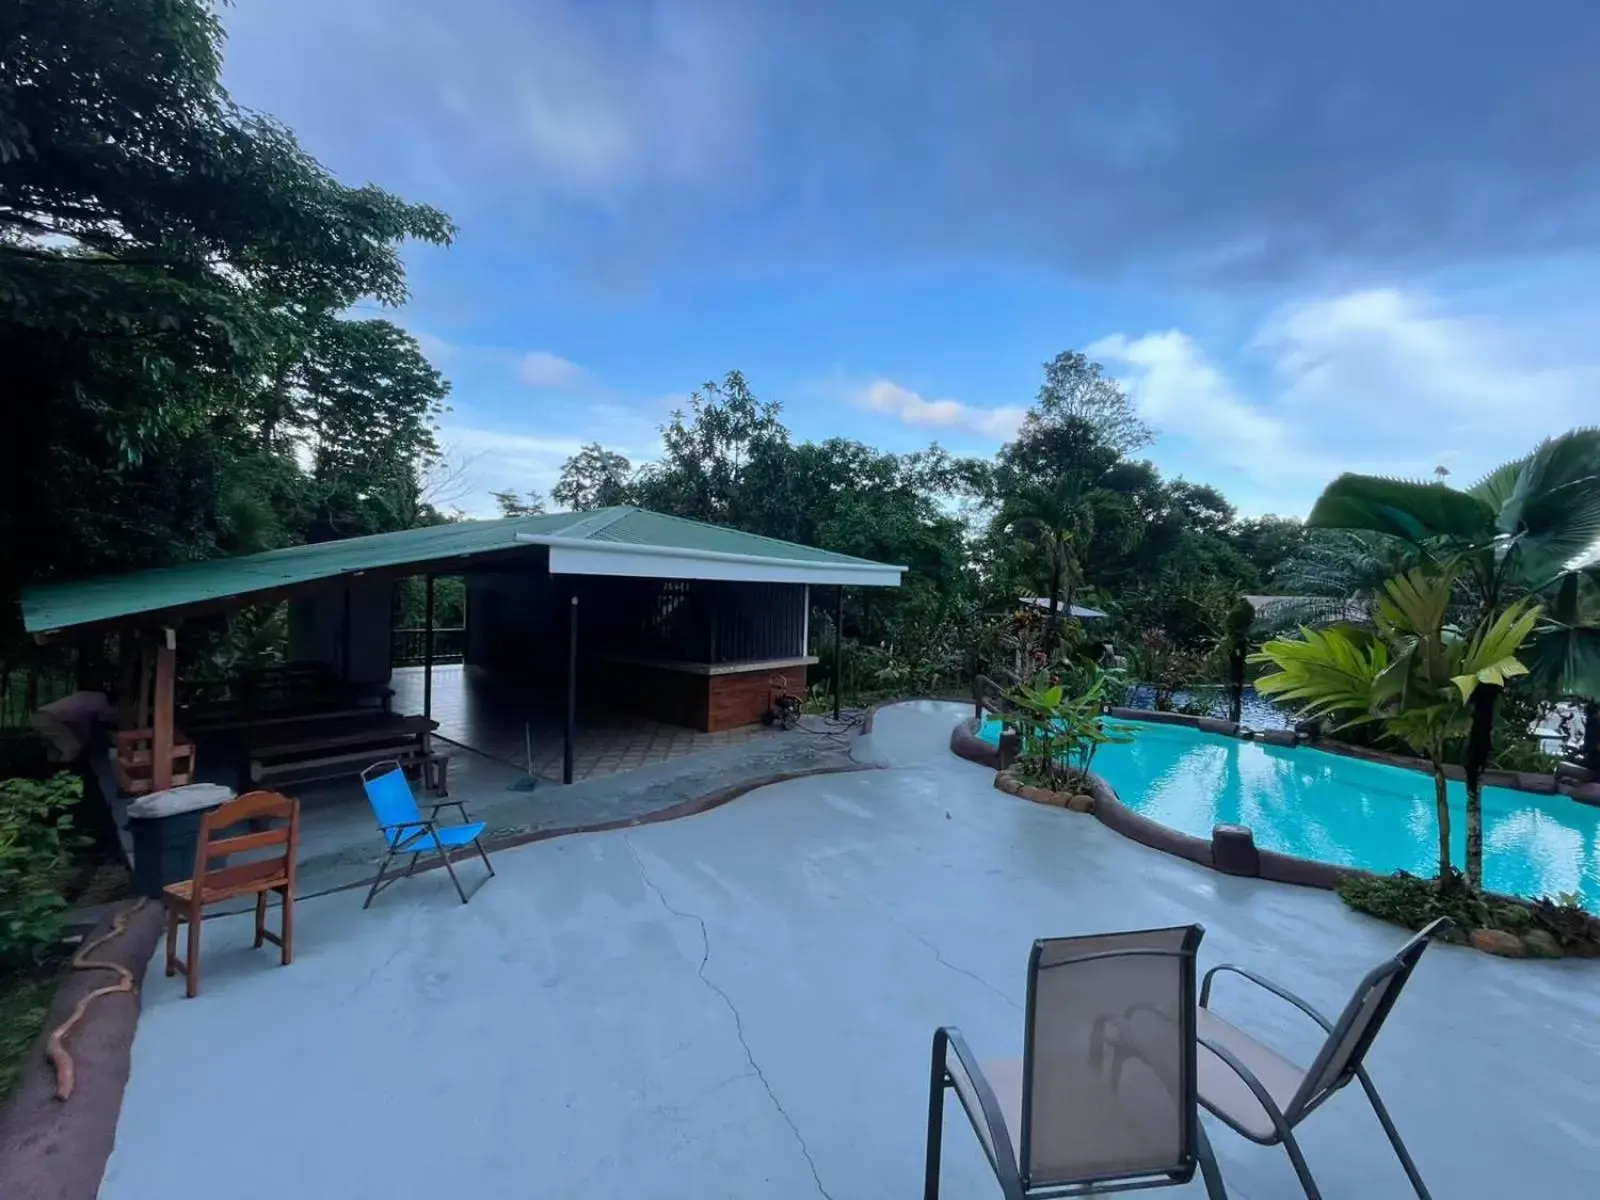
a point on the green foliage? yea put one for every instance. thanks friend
(1168, 665)
(513, 504)
(1566, 920)
(175, 274)
(36, 843)
(1522, 535)
(1412, 902)
(24, 1005)
(1061, 727)
(594, 477)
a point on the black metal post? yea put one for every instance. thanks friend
(572, 691)
(344, 639)
(838, 647)
(427, 649)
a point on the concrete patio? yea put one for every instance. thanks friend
(740, 1004)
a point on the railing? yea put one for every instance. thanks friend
(27, 685)
(408, 647)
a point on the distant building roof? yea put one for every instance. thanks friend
(606, 541)
(1082, 613)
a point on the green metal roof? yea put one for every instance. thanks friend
(51, 606)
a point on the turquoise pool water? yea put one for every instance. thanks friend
(1345, 811)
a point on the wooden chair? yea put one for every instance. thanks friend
(186, 901)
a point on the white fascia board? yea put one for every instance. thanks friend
(578, 556)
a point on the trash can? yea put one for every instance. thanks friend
(165, 829)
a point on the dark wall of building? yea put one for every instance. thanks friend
(512, 625)
(691, 620)
(316, 630)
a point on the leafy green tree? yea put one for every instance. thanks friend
(1060, 521)
(1076, 388)
(726, 435)
(1525, 530)
(516, 504)
(174, 272)
(594, 477)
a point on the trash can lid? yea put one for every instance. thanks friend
(188, 798)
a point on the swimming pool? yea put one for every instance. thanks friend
(1346, 811)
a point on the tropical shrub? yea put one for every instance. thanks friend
(37, 839)
(1527, 531)
(1415, 677)
(1061, 728)
(1411, 901)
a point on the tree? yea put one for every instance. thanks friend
(1235, 643)
(512, 504)
(1415, 677)
(594, 477)
(1522, 531)
(174, 274)
(707, 452)
(1075, 388)
(1060, 521)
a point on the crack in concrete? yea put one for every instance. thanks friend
(972, 975)
(738, 1021)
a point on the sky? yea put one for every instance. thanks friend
(1306, 238)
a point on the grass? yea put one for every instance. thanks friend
(24, 1001)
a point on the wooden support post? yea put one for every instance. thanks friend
(427, 649)
(838, 647)
(162, 719)
(568, 748)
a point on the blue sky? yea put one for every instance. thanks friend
(1307, 238)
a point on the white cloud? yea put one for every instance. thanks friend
(1379, 381)
(433, 347)
(542, 369)
(484, 458)
(886, 396)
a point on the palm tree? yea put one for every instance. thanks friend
(1335, 575)
(1416, 677)
(1530, 528)
(1060, 519)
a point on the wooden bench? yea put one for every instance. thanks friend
(316, 749)
(433, 766)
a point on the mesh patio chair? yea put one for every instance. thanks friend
(406, 831)
(1086, 1123)
(1263, 1095)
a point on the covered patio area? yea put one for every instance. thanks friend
(740, 1004)
(477, 712)
(595, 644)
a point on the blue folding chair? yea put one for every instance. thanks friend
(406, 831)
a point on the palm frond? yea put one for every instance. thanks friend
(1419, 513)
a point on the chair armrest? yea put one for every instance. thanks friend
(947, 1038)
(459, 805)
(400, 834)
(1266, 984)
